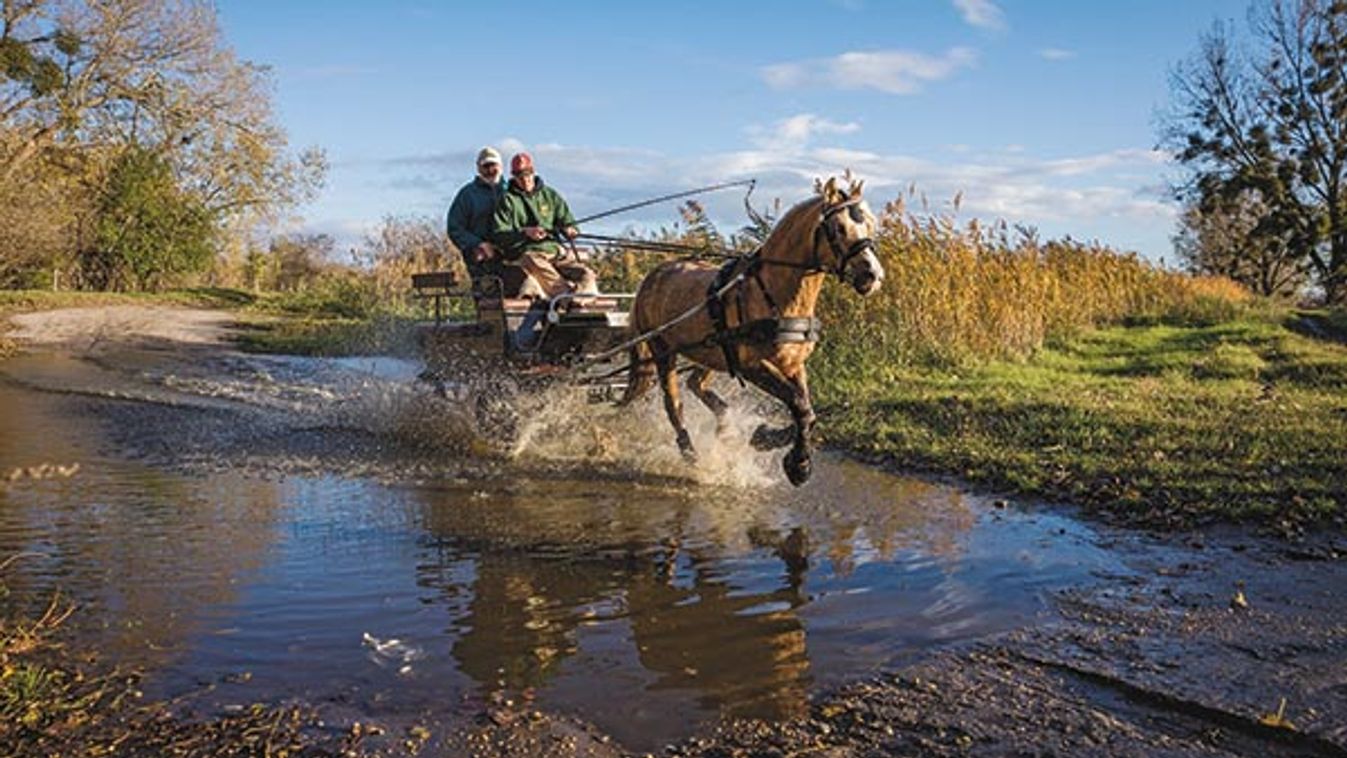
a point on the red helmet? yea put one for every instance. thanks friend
(520, 163)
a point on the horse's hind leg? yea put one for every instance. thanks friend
(794, 392)
(665, 366)
(700, 384)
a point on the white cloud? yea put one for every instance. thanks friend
(983, 14)
(1099, 162)
(797, 131)
(1056, 54)
(1108, 195)
(897, 72)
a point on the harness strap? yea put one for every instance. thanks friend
(715, 308)
(776, 330)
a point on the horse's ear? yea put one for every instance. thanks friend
(830, 191)
(818, 186)
(856, 188)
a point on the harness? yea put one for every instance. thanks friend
(778, 329)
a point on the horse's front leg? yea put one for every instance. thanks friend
(665, 365)
(794, 392)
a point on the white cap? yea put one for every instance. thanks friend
(488, 155)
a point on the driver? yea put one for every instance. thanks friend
(527, 220)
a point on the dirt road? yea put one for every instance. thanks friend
(92, 328)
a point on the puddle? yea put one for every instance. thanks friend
(390, 582)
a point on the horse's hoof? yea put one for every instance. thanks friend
(798, 467)
(685, 447)
(766, 438)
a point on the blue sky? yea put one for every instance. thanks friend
(1041, 112)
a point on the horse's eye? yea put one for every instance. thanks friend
(855, 213)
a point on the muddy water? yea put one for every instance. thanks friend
(260, 529)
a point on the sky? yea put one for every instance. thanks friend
(1043, 113)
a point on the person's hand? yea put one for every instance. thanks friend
(535, 233)
(484, 251)
(571, 232)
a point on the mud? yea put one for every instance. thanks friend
(1140, 644)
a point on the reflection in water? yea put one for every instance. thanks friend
(646, 605)
(744, 653)
(143, 552)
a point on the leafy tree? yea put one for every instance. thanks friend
(1239, 237)
(148, 228)
(1271, 119)
(300, 259)
(83, 80)
(406, 245)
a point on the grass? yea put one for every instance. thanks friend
(386, 335)
(1244, 420)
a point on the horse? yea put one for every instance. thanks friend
(754, 317)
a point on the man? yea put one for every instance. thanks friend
(470, 215)
(527, 218)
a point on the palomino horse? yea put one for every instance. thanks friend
(755, 316)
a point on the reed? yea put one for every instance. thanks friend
(956, 295)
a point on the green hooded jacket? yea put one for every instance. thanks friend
(543, 207)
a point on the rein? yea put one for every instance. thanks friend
(731, 277)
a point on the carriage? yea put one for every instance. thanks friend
(481, 340)
(752, 317)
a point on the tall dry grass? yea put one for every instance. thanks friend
(956, 294)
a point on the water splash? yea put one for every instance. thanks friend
(484, 417)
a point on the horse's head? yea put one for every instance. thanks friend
(846, 234)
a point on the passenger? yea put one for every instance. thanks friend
(527, 217)
(470, 215)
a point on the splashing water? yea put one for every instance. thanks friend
(559, 426)
(550, 429)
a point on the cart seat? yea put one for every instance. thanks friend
(512, 304)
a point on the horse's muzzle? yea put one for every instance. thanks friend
(866, 275)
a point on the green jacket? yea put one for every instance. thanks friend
(543, 207)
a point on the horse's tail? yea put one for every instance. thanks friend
(640, 372)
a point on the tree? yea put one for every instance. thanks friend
(82, 80)
(148, 227)
(1238, 238)
(299, 260)
(1272, 120)
(41, 218)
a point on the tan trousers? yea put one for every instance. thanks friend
(549, 276)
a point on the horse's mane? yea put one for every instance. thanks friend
(797, 224)
(789, 228)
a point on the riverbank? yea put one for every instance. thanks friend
(1157, 426)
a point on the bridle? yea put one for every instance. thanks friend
(827, 230)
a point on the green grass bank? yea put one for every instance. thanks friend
(1159, 425)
